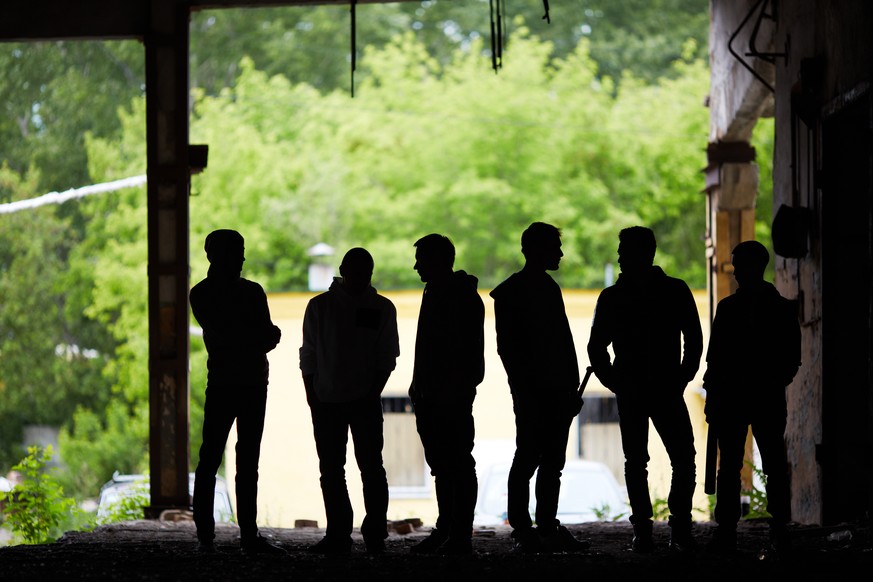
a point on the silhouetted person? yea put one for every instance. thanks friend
(753, 355)
(651, 322)
(536, 346)
(449, 365)
(350, 347)
(238, 333)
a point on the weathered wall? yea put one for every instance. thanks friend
(797, 278)
(839, 34)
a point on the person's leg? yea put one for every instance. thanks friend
(461, 467)
(366, 423)
(633, 421)
(671, 420)
(249, 429)
(330, 426)
(218, 417)
(524, 464)
(731, 452)
(770, 436)
(427, 423)
(554, 431)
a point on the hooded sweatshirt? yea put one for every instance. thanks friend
(450, 341)
(346, 339)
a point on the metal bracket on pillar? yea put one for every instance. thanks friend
(761, 8)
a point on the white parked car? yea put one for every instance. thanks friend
(122, 486)
(589, 492)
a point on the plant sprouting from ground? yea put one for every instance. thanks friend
(757, 497)
(604, 513)
(36, 509)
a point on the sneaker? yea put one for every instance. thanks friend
(431, 543)
(723, 541)
(206, 547)
(527, 540)
(683, 543)
(456, 547)
(375, 545)
(561, 540)
(332, 546)
(260, 545)
(643, 544)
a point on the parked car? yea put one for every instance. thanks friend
(589, 492)
(121, 486)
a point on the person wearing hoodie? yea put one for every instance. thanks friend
(449, 365)
(652, 323)
(753, 355)
(350, 347)
(536, 347)
(238, 333)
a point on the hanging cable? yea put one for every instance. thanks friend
(546, 16)
(497, 27)
(353, 26)
(501, 30)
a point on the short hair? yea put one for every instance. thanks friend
(220, 243)
(640, 241)
(538, 235)
(752, 255)
(437, 247)
(358, 258)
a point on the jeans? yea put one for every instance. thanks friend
(246, 405)
(331, 423)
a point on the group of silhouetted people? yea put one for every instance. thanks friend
(648, 320)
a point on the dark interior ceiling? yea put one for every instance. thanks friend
(114, 19)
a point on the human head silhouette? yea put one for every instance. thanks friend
(749, 259)
(356, 270)
(434, 257)
(541, 246)
(225, 250)
(636, 249)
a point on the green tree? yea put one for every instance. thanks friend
(96, 443)
(47, 368)
(53, 93)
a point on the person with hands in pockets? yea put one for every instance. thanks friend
(652, 324)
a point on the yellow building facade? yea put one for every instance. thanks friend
(289, 487)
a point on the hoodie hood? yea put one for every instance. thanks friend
(462, 277)
(653, 274)
(340, 290)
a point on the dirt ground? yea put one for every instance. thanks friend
(167, 551)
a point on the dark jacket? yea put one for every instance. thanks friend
(534, 340)
(754, 346)
(237, 329)
(450, 341)
(653, 325)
